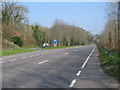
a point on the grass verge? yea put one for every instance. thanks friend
(110, 65)
(17, 51)
(23, 50)
(63, 47)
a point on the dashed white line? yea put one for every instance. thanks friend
(13, 60)
(23, 57)
(31, 56)
(78, 74)
(76, 50)
(88, 58)
(72, 83)
(43, 62)
(66, 53)
(3, 62)
(37, 54)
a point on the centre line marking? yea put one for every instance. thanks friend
(88, 58)
(37, 54)
(76, 50)
(72, 83)
(43, 62)
(66, 53)
(3, 62)
(78, 74)
(23, 57)
(31, 56)
(13, 60)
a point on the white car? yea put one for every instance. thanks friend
(45, 45)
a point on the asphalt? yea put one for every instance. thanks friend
(77, 67)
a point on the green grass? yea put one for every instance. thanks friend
(59, 47)
(17, 51)
(23, 50)
(63, 47)
(111, 62)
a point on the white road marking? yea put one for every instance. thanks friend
(3, 62)
(78, 74)
(66, 53)
(88, 58)
(72, 83)
(23, 57)
(43, 62)
(37, 54)
(31, 56)
(76, 50)
(13, 60)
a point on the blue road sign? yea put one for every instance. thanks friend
(55, 42)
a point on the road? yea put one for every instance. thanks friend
(77, 67)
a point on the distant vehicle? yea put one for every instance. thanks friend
(45, 45)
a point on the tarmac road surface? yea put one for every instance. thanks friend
(77, 67)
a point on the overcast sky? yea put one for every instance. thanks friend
(88, 15)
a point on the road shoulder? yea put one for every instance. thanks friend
(93, 76)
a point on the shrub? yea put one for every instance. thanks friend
(18, 41)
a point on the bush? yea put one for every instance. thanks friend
(18, 41)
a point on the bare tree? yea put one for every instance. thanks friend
(69, 34)
(109, 37)
(13, 12)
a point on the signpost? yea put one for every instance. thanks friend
(55, 43)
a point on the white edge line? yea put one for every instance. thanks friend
(72, 83)
(43, 62)
(78, 74)
(88, 58)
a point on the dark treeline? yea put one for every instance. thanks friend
(16, 29)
